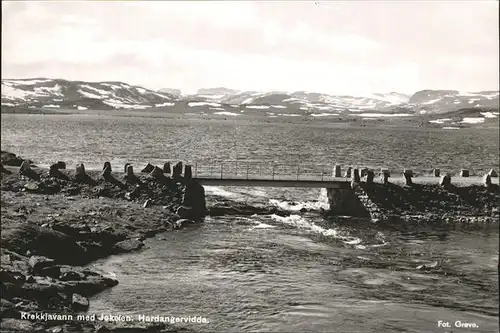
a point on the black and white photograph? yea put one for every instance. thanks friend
(250, 166)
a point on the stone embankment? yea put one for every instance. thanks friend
(444, 204)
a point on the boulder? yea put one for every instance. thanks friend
(156, 172)
(61, 165)
(79, 303)
(148, 168)
(166, 168)
(445, 180)
(384, 176)
(107, 165)
(436, 172)
(355, 176)
(492, 173)
(43, 241)
(147, 204)
(348, 172)
(337, 171)
(54, 172)
(125, 167)
(487, 180)
(464, 173)
(408, 174)
(369, 176)
(128, 245)
(80, 173)
(11, 159)
(38, 263)
(177, 170)
(188, 173)
(25, 170)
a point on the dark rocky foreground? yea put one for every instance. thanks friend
(51, 227)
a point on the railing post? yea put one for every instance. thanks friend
(195, 169)
(322, 172)
(273, 170)
(260, 169)
(298, 168)
(236, 168)
(221, 168)
(247, 170)
(211, 168)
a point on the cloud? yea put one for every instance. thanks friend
(374, 46)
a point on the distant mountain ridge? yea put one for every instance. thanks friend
(59, 93)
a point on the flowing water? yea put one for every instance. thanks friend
(300, 273)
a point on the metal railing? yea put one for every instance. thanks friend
(260, 170)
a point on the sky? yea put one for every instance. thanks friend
(326, 46)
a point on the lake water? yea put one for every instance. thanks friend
(300, 273)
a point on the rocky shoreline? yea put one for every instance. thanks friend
(52, 226)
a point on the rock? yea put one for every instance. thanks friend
(31, 187)
(80, 173)
(61, 165)
(79, 303)
(179, 224)
(464, 173)
(492, 173)
(348, 172)
(38, 263)
(445, 180)
(188, 173)
(487, 180)
(363, 172)
(177, 170)
(52, 271)
(106, 170)
(148, 168)
(25, 170)
(25, 166)
(72, 276)
(128, 245)
(13, 277)
(337, 171)
(42, 241)
(166, 168)
(107, 165)
(3, 170)
(125, 167)
(184, 212)
(384, 176)
(428, 266)
(355, 176)
(11, 159)
(156, 172)
(369, 176)
(194, 197)
(303, 210)
(147, 204)
(408, 174)
(54, 172)
(436, 172)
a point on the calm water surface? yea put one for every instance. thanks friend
(301, 273)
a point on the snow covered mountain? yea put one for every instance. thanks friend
(57, 93)
(39, 93)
